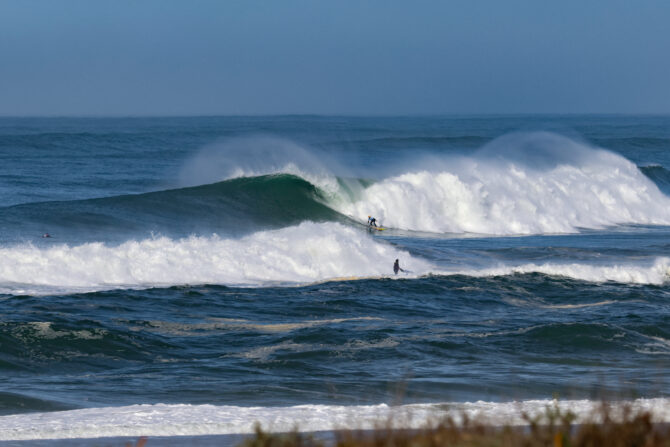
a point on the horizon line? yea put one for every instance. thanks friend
(331, 115)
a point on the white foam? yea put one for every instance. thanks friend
(532, 183)
(301, 254)
(193, 420)
(655, 272)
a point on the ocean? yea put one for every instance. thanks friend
(202, 274)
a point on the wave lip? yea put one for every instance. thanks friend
(194, 420)
(535, 183)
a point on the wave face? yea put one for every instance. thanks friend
(301, 254)
(533, 183)
(234, 207)
(659, 175)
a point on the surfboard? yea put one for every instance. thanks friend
(377, 228)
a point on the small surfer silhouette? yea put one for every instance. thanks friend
(46, 235)
(396, 267)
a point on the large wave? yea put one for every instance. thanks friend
(531, 183)
(233, 207)
(305, 253)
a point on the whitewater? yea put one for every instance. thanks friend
(188, 420)
(520, 183)
(535, 183)
(289, 257)
(302, 254)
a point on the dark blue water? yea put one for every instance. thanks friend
(225, 261)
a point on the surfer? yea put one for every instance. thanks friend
(372, 222)
(46, 235)
(396, 267)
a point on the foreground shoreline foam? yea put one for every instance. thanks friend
(162, 420)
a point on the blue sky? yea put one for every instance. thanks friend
(162, 57)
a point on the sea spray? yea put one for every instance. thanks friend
(254, 156)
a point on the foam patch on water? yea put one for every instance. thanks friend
(219, 324)
(193, 420)
(302, 254)
(534, 183)
(654, 273)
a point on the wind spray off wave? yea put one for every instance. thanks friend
(257, 156)
(531, 183)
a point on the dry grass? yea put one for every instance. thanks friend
(608, 427)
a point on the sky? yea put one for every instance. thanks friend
(343, 57)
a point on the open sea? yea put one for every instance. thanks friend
(203, 274)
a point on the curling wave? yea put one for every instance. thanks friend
(233, 207)
(537, 183)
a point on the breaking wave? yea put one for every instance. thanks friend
(537, 183)
(655, 272)
(306, 253)
(534, 183)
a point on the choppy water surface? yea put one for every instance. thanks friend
(221, 266)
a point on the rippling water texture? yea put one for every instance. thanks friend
(223, 266)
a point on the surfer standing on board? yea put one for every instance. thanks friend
(396, 267)
(372, 222)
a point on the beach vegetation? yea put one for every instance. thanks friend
(608, 426)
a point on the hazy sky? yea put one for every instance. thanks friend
(161, 57)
